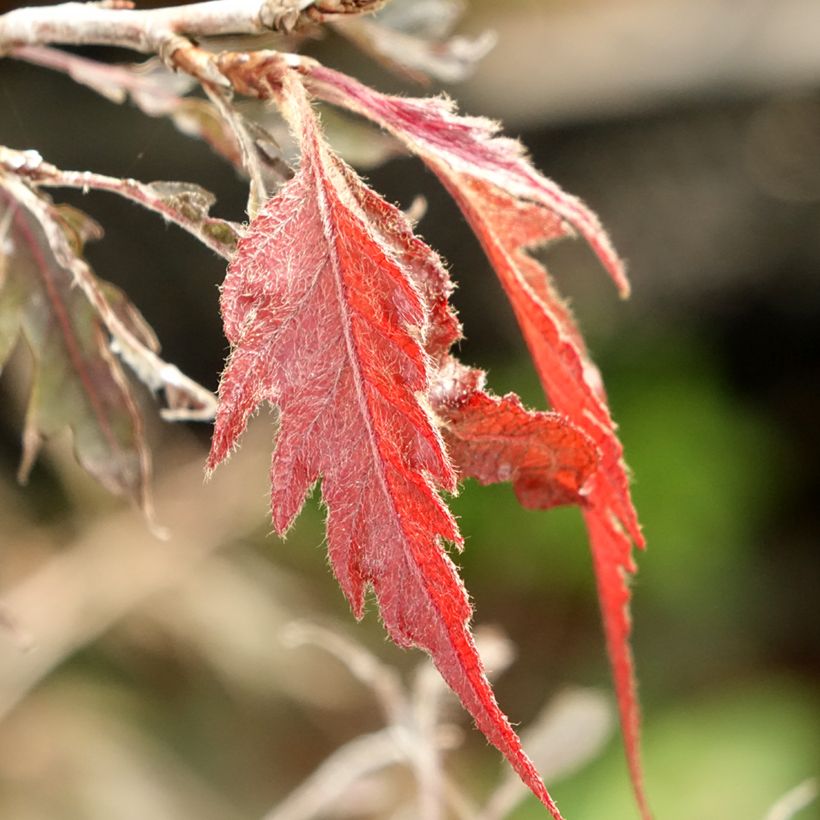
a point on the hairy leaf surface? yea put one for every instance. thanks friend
(329, 305)
(512, 209)
(492, 439)
(496, 439)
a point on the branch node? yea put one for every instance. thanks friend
(321, 9)
(280, 15)
(168, 45)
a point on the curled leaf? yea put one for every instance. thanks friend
(494, 440)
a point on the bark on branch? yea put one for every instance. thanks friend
(150, 30)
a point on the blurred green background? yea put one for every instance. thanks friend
(157, 685)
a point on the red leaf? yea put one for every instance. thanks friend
(469, 145)
(492, 439)
(512, 208)
(327, 314)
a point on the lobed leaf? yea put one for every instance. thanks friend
(495, 440)
(512, 209)
(329, 305)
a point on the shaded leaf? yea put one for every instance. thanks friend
(152, 86)
(160, 92)
(259, 156)
(358, 142)
(185, 204)
(327, 316)
(77, 382)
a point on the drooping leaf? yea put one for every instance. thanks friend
(512, 209)
(152, 86)
(492, 439)
(470, 147)
(327, 312)
(77, 324)
(132, 340)
(496, 439)
(77, 382)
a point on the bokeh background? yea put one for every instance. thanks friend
(141, 679)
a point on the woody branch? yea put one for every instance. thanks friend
(117, 23)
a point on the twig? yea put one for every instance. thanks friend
(114, 82)
(413, 735)
(794, 800)
(151, 30)
(360, 757)
(568, 733)
(365, 666)
(188, 212)
(428, 768)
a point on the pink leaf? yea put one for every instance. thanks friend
(512, 208)
(328, 314)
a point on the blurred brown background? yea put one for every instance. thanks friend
(151, 680)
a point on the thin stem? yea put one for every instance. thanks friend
(118, 80)
(328, 784)
(428, 765)
(257, 194)
(184, 205)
